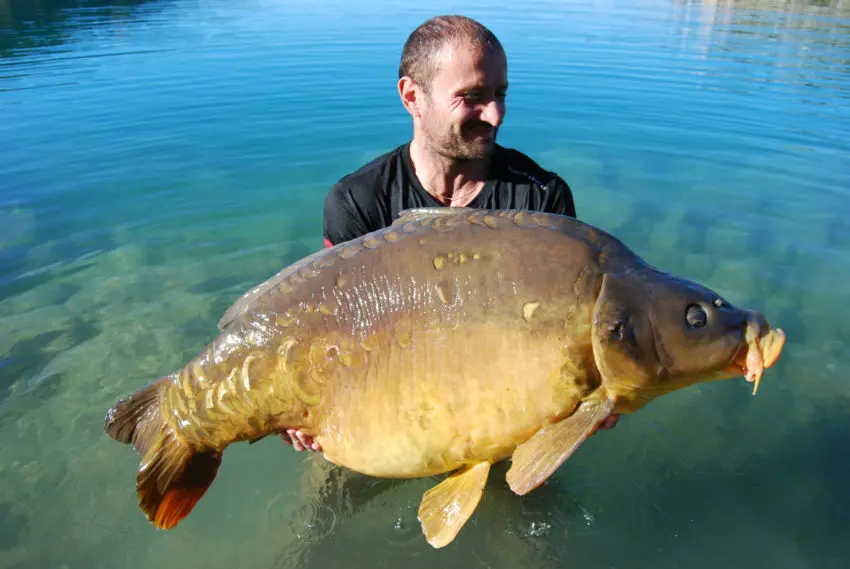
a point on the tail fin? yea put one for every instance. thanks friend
(172, 476)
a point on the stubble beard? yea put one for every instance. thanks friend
(456, 146)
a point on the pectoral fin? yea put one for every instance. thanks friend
(537, 458)
(449, 504)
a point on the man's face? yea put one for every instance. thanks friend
(465, 105)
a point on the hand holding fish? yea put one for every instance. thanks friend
(299, 441)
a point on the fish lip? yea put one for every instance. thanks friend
(753, 357)
(738, 363)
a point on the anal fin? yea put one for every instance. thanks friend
(446, 507)
(537, 458)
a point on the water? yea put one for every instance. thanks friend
(159, 158)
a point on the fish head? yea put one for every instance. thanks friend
(654, 333)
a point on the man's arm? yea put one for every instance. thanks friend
(560, 198)
(342, 218)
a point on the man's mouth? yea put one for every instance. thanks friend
(480, 131)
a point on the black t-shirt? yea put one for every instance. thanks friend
(372, 197)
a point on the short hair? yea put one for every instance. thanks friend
(423, 44)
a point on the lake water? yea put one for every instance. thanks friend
(159, 158)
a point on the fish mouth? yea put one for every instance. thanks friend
(757, 354)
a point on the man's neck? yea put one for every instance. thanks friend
(452, 182)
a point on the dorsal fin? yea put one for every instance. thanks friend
(246, 302)
(420, 213)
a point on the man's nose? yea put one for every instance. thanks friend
(493, 112)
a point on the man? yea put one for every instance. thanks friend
(453, 80)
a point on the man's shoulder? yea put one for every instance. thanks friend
(376, 169)
(523, 183)
(360, 201)
(518, 167)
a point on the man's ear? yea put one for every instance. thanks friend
(409, 93)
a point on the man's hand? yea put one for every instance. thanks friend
(609, 423)
(299, 441)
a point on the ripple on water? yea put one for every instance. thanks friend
(313, 522)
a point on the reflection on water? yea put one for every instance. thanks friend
(141, 193)
(784, 43)
(36, 25)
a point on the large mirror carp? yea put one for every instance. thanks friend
(452, 340)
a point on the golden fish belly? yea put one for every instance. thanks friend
(458, 351)
(441, 399)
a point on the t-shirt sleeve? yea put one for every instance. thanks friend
(342, 219)
(561, 198)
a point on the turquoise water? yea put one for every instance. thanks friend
(159, 158)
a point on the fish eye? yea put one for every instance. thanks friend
(696, 316)
(616, 330)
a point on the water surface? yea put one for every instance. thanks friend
(159, 158)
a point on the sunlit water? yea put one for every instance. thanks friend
(159, 158)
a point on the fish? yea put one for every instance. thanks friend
(447, 342)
